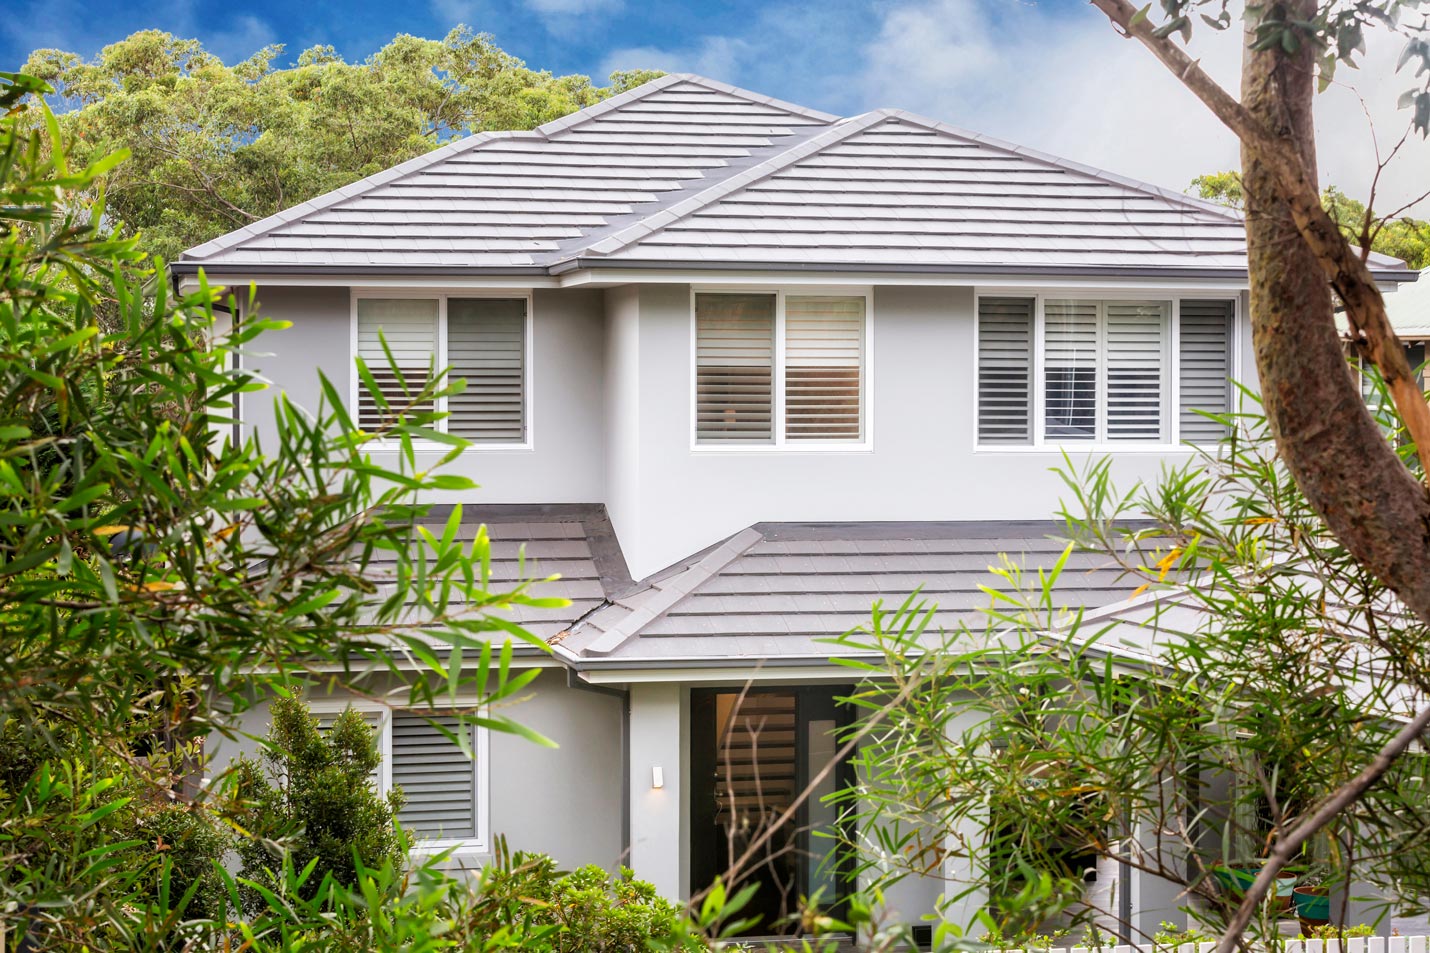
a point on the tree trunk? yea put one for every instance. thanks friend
(1332, 446)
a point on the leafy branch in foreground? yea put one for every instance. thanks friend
(1249, 713)
(156, 577)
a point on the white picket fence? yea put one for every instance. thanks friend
(1357, 944)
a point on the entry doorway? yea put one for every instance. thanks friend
(752, 752)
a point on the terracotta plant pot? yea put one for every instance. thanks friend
(1313, 907)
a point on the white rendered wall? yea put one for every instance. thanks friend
(923, 464)
(566, 463)
(660, 845)
(621, 397)
(566, 801)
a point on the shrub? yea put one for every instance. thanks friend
(311, 796)
(583, 911)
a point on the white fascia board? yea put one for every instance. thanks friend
(609, 277)
(190, 283)
(724, 675)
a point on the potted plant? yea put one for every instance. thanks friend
(1236, 880)
(1313, 897)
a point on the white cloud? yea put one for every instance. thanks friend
(451, 12)
(718, 57)
(247, 36)
(1074, 88)
(568, 19)
(573, 7)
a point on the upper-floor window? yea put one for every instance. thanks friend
(780, 369)
(1077, 370)
(482, 340)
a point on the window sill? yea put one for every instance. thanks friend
(798, 450)
(437, 449)
(1059, 448)
(459, 848)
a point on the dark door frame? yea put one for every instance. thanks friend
(812, 703)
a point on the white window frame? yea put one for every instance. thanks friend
(781, 444)
(481, 772)
(1172, 380)
(441, 296)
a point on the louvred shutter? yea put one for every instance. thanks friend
(824, 368)
(734, 367)
(1005, 370)
(1136, 342)
(436, 778)
(486, 346)
(409, 327)
(1204, 367)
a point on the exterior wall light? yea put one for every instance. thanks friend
(657, 777)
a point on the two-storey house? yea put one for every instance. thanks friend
(737, 369)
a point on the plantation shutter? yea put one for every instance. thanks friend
(439, 781)
(486, 346)
(734, 367)
(1136, 369)
(1204, 367)
(1005, 370)
(1070, 370)
(409, 326)
(824, 368)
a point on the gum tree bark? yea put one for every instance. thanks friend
(1332, 446)
(1330, 443)
(1296, 257)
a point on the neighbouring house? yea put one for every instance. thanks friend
(737, 369)
(1409, 310)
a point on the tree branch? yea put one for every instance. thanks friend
(1290, 845)
(1348, 274)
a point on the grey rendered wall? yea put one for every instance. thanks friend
(318, 340)
(566, 463)
(923, 465)
(566, 801)
(622, 398)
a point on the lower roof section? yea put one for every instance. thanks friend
(776, 593)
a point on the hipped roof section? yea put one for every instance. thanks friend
(688, 173)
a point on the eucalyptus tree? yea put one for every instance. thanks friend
(1258, 673)
(1302, 266)
(218, 146)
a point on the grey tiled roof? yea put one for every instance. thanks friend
(688, 172)
(532, 542)
(777, 591)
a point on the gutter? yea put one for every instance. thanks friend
(570, 265)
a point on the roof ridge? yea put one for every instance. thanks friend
(1070, 165)
(673, 589)
(418, 163)
(760, 98)
(649, 225)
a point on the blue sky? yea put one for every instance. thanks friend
(1045, 73)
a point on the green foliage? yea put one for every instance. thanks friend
(1330, 931)
(83, 816)
(1223, 187)
(584, 910)
(1334, 30)
(1252, 684)
(156, 577)
(1172, 936)
(219, 146)
(1405, 238)
(311, 799)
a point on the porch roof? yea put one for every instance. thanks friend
(776, 592)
